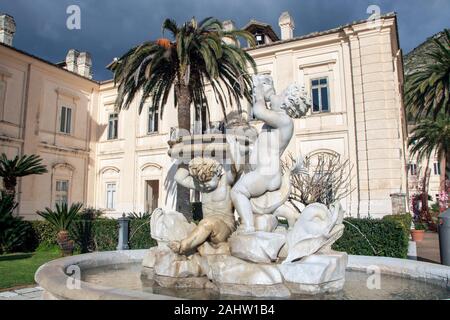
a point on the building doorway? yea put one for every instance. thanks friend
(151, 195)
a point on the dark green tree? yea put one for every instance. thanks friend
(199, 54)
(21, 166)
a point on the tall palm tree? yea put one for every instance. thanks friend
(430, 137)
(427, 91)
(199, 53)
(21, 166)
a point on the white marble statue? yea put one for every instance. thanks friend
(214, 182)
(265, 175)
(316, 229)
(261, 258)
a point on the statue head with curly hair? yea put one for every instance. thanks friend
(206, 172)
(296, 102)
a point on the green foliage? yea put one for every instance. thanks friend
(196, 55)
(105, 233)
(427, 90)
(140, 234)
(63, 217)
(429, 137)
(420, 226)
(13, 229)
(387, 238)
(43, 234)
(138, 215)
(404, 219)
(19, 167)
(90, 213)
(81, 232)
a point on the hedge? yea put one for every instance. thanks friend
(387, 236)
(373, 237)
(404, 219)
(101, 235)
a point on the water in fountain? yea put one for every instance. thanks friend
(128, 276)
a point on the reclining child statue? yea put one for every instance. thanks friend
(214, 182)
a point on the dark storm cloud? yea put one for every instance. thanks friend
(110, 27)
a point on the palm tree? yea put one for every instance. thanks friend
(62, 219)
(201, 53)
(22, 166)
(427, 91)
(430, 137)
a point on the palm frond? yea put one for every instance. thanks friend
(197, 57)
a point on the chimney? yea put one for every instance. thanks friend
(84, 63)
(286, 23)
(71, 60)
(7, 29)
(228, 25)
(79, 62)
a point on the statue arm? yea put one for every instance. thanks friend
(182, 177)
(270, 117)
(261, 112)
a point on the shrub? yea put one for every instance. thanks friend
(139, 236)
(43, 234)
(63, 217)
(373, 237)
(420, 226)
(100, 234)
(105, 234)
(13, 229)
(404, 219)
(138, 215)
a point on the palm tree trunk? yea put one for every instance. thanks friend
(10, 186)
(184, 122)
(425, 192)
(442, 178)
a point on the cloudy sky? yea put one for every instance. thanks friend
(110, 27)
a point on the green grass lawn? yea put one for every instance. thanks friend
(17, 269)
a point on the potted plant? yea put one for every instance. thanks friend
(62, 219)
(418, 231)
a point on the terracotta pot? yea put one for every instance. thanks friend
(65, 244)
(417, 235)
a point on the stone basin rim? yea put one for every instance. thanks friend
(52, 278)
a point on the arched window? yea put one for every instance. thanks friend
(110, 187)
(62, 174)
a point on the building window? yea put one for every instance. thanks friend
(62, 191)
(413, 169)
(153, 120)
(320, 95)
(110, 195)
(259, 38)
(437, 168)
(66, 120)
(113, 123)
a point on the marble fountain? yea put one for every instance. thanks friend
(239, 249)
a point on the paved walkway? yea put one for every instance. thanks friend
(32, 293)
(428, 249)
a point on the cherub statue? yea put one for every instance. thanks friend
(214, 182)
(265, 175)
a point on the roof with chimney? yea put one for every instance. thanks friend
(255, 26)
(325, 32)
(59, 65)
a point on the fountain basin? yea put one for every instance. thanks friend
(116, 275)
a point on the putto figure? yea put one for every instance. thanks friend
(214, 182)
(265, 175)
